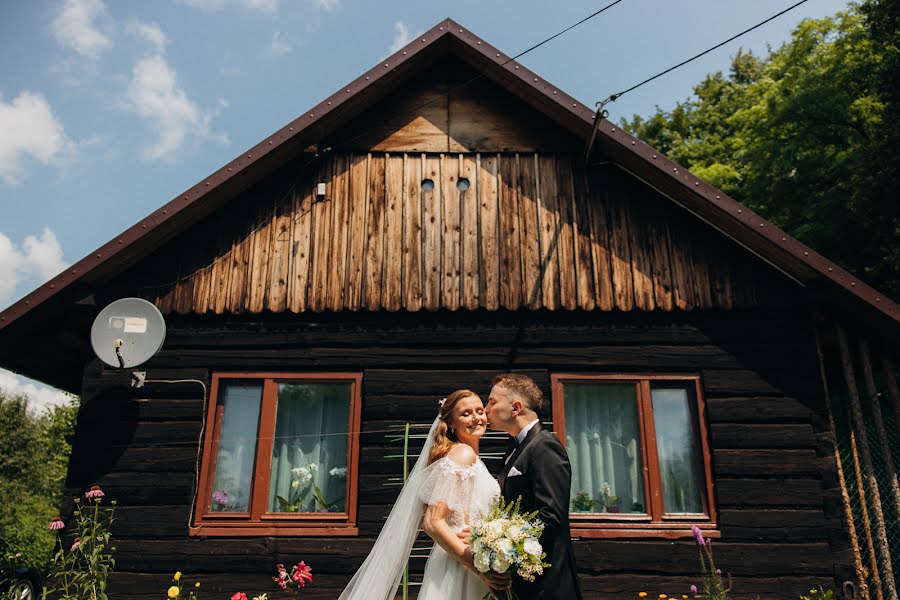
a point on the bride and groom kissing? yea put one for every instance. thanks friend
(449, 488)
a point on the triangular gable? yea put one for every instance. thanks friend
(449, 38)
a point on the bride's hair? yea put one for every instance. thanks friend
(443, 437)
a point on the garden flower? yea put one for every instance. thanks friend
(196, 585)
(220, 496)
(55, 524)
(173, 592)
(177, 576)
(94, 492)
(694, 589)
(239, 596)
(75, 544)
(698, 535)
(302, 573)
(642, 594)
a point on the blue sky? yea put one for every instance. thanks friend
(109, 109)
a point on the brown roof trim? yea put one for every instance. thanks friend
(723, 212)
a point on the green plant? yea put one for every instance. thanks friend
(176, 590)
(582, 502)
(607, 499)
(80, 571)
(303, 484)
(819, 594)
(714, 587)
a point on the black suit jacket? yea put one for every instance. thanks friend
(544, 484)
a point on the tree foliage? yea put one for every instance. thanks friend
(34, 454)
(808, 136)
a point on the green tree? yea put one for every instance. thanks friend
(806, 136)
(34, 454)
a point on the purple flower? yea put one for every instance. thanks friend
(94, 492)
(698, 535)
(220, 497)
(694, 589)
(56, 524)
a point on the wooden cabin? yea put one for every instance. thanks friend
(440, 220)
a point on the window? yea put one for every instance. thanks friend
(639, 453)
(280, 455)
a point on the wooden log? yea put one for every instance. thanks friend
(530, 232)
(568, 293)
(468, 200)
(412, 232)
(757, 410)
(874, 404)
(758, 435)
(340, 224)
(394, 252)
(548, 221)
(375, 235)
(584, 263)
(871, 482)
(300, 247)
(431, 233)
(849, 522)
(767, 463)
(357, 233)
(755, 493)
(451, 204)
(489, 223)
(509, 242)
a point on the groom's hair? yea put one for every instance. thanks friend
(524, 387)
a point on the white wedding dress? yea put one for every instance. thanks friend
(468, 491)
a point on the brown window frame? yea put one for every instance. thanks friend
(654, 524)
(258, 521)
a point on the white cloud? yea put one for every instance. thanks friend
(401, 36)
(267, 6)
(281, 44)
(37, 260)
(75, 27)
(29, 129)
(149, 32)
(155, 96)
(40, 397)
(327, 5)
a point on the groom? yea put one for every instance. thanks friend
(538, 470)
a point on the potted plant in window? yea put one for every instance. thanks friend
(582, 502)
(607, 499)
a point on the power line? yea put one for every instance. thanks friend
(614, 97)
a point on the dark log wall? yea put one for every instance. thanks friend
(773, 469)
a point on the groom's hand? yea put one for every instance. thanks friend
(496, 582)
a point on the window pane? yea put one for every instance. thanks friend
(309, 456)
(604, 445)
(237, 447)
(678, 446)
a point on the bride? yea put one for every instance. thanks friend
(447, 489)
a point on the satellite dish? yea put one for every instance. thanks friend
(128, 333)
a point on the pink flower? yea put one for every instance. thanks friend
(220, 496)
(698, 535)
(302, 573)
(718, 571)
(239, 596)
(55, 524)
(94, 492)
(694, 590)
(75, 544)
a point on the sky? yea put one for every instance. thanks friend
(109, 109)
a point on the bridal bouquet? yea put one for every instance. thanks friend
(507, 539)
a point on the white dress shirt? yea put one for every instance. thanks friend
(521, 437)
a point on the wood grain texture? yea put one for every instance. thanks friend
(471, 264)
(488, 170)
(412, 232)
(358, 230)
(451, 199)
(548, 206)
(530, 231)
(509, 242)
(392, 298)
(565, 189)
(431, 231)
(375, 234)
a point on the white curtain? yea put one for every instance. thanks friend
(677, 443)
(309, 456)
(604, 445)
(237, 447)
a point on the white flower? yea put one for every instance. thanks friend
(483, 561)
(495, 528)
(295, 483)
(605, 489)
(477, 547)
(501, 563)
(504, 547)
(533, 547)
(514, 532)
(338, 472)
(313, 467)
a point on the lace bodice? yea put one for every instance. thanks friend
(467, 490)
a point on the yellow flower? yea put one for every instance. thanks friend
(197, 584)
(643, 594)
(177, 576)
(173, 592)
(663, 596)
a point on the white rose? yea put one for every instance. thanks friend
(501, 564)
(483, 561)
(533, 547)
(477, 547)
(504, 546)
(495, 528)
(514, 532)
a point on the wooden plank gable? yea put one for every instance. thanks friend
(403, 231)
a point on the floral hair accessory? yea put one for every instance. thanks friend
(441, 402)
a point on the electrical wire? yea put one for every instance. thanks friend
(614, 97)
